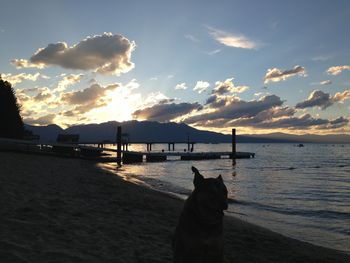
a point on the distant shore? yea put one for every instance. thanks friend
(67, 210)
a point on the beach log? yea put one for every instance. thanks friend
(155, 157)
(132, 157)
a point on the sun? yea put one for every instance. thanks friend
(120, 104)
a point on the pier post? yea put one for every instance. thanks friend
(149, 146)
(188, 142)
(119, 145)
(233, 146)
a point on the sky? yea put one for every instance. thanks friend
(257, 66)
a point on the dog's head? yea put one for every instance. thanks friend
(211, 196)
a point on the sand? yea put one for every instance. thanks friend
(67, 210)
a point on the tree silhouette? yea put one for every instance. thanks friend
(11, 123)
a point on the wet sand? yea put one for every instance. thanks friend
(67, 210)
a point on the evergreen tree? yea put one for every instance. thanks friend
(11, 123)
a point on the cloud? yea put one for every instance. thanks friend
(69, 113)
(18, 78)
(232, 107)
(155, 98)
(43, 95)
(228, 87)
(341, 96)
(222, 111)
(192, 38)
(322, 83)
(105, 54)
(44, 120)
(316, 98)
(216, 101)
(336, 70)
(232, 40)
(89, 98)
(23, 63)
(305, 121)
(264, 116)
(201, 86)
(181, 86)
(323, 100)
(276, 75)
(326, 82)
(68, 80)
(165, 112)
(213, 52)
(322, 58)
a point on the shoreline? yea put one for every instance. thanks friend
(68, 210)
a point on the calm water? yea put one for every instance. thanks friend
(303, 192)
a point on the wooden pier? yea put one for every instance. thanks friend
(123, 155)
(134, 157)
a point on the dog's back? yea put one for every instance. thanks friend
(198, 235)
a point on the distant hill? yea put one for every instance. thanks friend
(46, 133)
(147, 131)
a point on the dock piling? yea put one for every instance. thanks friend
(119, 145)
(233, 146)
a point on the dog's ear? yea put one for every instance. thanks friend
(198, 178)
(220, 178)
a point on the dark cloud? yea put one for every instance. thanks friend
(292, 122)
(276, 75)
(215, 101)
(166, 101)
(88, 95)
(323, 100)
(165, 112)
(68, 113)
(263, 116)
(105, 54)
(222, 111)
(89, 98)
(235, 108)
(316, 98)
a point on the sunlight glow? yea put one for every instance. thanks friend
(120, 107)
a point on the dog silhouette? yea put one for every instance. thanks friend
(199, 234)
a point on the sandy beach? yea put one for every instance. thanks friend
(67, 210)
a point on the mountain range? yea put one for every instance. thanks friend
(149, 131)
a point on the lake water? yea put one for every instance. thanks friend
(301, 192)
